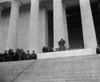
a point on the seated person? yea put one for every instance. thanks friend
(28, 54)
(33, 55)
(45, 49)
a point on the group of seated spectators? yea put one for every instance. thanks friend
(19, 54)
(45, 49)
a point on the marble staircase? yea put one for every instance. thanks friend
(64, 69)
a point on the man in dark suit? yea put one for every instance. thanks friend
(33, 55)
(28, 54)
(5, 54)
(1, 57)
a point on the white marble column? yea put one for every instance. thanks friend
(59, 26)
(34, 26)
(43, 29)
(13, 28)
(66, 27)
(1, 8)
(89, 35)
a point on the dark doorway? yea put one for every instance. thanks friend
(95, 7)
(50, 30)
(74, 27)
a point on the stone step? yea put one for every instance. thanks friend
(10, 70)
(67, 69)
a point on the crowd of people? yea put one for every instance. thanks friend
(19, 54)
